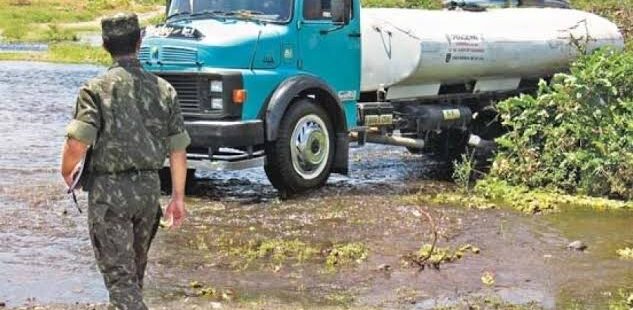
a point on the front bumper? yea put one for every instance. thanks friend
(225, 145)
(217, 134)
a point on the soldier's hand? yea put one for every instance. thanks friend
(175, 213)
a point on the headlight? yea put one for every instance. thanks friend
(216, 86)
(217, 104)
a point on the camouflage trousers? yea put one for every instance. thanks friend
(123, 216)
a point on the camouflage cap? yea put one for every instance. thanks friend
(119, 25)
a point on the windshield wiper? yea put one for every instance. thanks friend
(210, 13)
(244, 12)
(247, 15)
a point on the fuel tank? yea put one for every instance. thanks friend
(412, 53)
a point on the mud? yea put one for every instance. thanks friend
(214, 260)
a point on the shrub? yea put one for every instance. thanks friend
(576, 135)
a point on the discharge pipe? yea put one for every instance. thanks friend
(389, 140)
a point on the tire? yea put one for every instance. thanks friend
(165, 180)
(301, 157)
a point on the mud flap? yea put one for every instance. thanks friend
(341, 157)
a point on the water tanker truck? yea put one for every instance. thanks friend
(290, 84)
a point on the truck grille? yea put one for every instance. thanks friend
(187, 88)
(143, 54)
(178, 55)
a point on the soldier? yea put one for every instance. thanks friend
(130, 119)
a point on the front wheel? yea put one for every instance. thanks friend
(301, 157)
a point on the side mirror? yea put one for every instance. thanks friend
(341, 11)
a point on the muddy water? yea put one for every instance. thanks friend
(45, 255)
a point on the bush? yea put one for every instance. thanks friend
(576, 135)
(77, 53)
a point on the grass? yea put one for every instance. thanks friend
(58, 23)
(492, 193)
(276, 253)
(489, 303)
(622, 300)
(346, 254)
(158, 19)
(31, 20)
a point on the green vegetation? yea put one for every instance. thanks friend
(213, 293)
(58, 23)
(489, 303)
(346, 254)
(277, 252)
(19, 17)
(570, 145)
(622, 301)
(463, 171)
(488, 278)
(158, 19)
(626, 253)
(491, 193)
(435, 256)
(29, 20)
(576, 135)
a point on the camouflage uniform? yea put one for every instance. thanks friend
(132, 120)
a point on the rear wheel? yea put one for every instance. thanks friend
(301, 157)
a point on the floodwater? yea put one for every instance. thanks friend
(46, 258)
(22, 47)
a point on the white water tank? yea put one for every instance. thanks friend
(413, 52)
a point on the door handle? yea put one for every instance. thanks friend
(354, 34)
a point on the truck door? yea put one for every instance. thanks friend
(331, 51)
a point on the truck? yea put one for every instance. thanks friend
(290, 85)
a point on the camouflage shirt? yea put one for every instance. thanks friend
(131, 118)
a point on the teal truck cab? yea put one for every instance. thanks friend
(262, 84)
(282, 83)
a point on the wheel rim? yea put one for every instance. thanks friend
(310, 146)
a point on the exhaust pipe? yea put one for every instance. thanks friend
(478, 142)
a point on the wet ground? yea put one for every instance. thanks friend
(243, 247)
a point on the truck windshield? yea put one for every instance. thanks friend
(269, 10)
